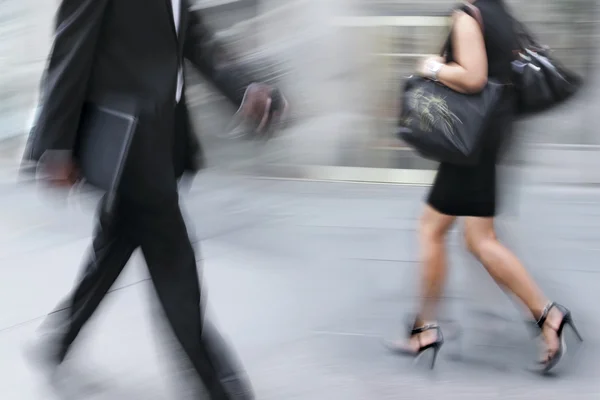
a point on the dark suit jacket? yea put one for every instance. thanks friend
(126, 53)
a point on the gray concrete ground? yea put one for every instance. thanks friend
(306, 278)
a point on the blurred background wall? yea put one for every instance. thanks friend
(25, 37)
(341, 63)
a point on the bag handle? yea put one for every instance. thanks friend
(476, 14)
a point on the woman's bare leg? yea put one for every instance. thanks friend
(432, 241)
(507, 271)
(433, 228)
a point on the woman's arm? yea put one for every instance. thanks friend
(468, 74)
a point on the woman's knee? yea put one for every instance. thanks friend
(478, 242)
(433, 228)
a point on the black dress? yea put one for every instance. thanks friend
(471, 190)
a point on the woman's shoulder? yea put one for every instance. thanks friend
(483, 6)
(487, 12)
(467, 8)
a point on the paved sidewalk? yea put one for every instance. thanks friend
(306, 278)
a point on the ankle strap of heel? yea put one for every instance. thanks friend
(426, 327)
(542, 320)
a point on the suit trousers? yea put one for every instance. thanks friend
(162, 235)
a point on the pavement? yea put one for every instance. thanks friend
(306, 278)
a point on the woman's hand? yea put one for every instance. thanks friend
(429, 66)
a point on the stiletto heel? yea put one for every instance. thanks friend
(574, 329)
(434, 346)
(436, 350)
(567, 319)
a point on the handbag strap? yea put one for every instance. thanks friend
(476, 14)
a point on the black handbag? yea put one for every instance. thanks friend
(540, 81)
(445, 125)
(442, 124)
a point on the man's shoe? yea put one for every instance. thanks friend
(238, 387)
(44, 353)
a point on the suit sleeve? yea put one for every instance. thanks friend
(66, 77)
(209, 56)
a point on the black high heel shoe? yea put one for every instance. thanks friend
(434, 346)
(567, 320)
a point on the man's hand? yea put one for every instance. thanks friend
(60, 172)
(263, 105)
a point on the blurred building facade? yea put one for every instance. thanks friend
(341, 63)
(347, 62)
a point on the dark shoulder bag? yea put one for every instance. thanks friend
(540, 81)
(443, 124)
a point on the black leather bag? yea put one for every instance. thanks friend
(442, 124)
(540, 81)
(445, 125)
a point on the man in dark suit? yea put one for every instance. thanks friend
(130, 54)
